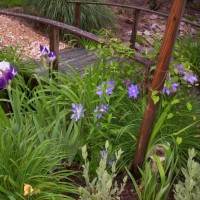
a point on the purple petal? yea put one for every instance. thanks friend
(3, 83)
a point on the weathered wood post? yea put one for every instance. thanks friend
(77, 15)
(134, 28)
(54, 45)
(170, 35)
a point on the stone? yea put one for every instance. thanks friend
(193, 31)
(128, 33)
(147, 33)
(153, 17)
(137, 46)
(153, 27)
(129, 21)
(150, 40)
(139, 33)
(181, 28)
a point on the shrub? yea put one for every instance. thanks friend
(189, 189)
(93, 17)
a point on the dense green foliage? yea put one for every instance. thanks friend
(10, 3)
(92, 17)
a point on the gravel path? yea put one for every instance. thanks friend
(24, 35)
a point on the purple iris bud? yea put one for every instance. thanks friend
(172, 90)
(51, 56)
(190, 77)
(108, 90)
(77, 112)
(133, 91)
(180, 68)
(44, 51)
(100, 111)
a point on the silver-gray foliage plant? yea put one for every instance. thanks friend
(190, 189)
(102, 186)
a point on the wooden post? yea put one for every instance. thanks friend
(170, 35)
(54, 45)
(77, 15)
(134, 28)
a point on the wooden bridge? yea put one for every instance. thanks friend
(78, 58)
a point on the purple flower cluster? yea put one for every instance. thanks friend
(171, 90)
(45, 53)
(101, 110)
(7, 73)
(187, 75)
(77, 111)
(110, 159)
(190, 77)
(105, 88)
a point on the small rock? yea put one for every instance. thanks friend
(150, 50)
(137, 46)
(193, 31)
(128, 33)
(147, 33)
(153, 17)
(132, 190)
(162, 27)
(182, 23)
(139, 33)
(181, 33)
(150, 40)
(153, 27)
(142, 50)
(181, 28)
(129, 21)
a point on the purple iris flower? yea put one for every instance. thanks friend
(100, 111)
(3, 82)
(133, 91)
(78, 112)
(172, 90)
(51, 56)
(190, 77)
(44, 51)
(7, 72)
(108, 90)
(10, 74)
(180, 68)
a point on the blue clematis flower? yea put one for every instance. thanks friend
(108, 90)
(133, 91)
(190, 77)
(100, 111)
(77, 111)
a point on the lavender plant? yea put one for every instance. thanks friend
(102, 186)
(189, 189)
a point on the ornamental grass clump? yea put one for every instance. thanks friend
(93, 17)
(102, 186)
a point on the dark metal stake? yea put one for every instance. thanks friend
(54, 45)
(170, 35)
(77, 15)
(134, 28)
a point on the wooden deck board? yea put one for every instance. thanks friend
(78, 59)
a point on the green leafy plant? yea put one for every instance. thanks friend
(157, 181)
(26, 162)
(189, 188)
(93, 17)
(102, 186)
